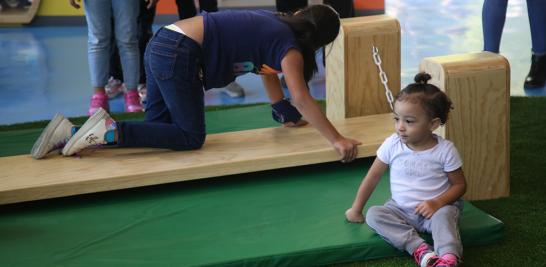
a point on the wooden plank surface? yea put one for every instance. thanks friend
(23, 178)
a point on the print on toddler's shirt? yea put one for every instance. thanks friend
(414, 168)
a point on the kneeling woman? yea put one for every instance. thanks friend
(209, 51)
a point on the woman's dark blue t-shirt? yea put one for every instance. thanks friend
(237, 42)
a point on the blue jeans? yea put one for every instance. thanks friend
(99, 15)
(494, 15)
(175, 115)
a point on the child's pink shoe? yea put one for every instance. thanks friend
(132, 101)
(424, 256)
(98, 100)
(447, 260)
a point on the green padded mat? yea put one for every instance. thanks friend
(285, 217)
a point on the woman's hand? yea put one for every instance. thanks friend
(347, 148)
(354, 217)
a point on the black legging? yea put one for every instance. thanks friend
(186, 8)
(145, 20)
(345, 8)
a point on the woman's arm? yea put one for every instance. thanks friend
(354, 214)
(292, 67)
(275, 94)
(273, 87)
(456, 190)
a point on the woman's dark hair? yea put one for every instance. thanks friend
(314, 27)
(435, 102)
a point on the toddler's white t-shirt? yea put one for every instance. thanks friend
(416, 176)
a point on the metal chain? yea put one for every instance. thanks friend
(383, 76)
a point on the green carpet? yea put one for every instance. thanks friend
(290, 217)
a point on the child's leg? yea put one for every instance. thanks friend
(98, 15)
(445, 230)
(391, 223)
(125, 25)
(125, 13)
(493, 17)
(175, 117)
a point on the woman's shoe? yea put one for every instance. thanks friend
(537, 74)
(54, 136)
(92, 133)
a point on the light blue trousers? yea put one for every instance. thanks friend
(99, 15)
(400, 227)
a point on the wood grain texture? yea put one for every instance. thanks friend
(479, 86)
(19, 15)
(353, 86)
(24, 179)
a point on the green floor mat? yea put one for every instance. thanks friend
(284, 217)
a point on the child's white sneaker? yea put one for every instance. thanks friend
(92, 133)
(54, 137)
(234, 90)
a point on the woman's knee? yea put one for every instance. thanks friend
(190, 141)
(198, 140)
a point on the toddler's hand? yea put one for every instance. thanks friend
(427, 208)
(354, 217)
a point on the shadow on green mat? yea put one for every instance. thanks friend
(523, 213)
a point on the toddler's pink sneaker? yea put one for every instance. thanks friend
(424, 256)
(132, 101)
(98, 100)
(447, 260)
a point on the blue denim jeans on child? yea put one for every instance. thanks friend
(99, 15)
(175, 116)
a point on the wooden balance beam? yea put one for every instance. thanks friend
(24, 179)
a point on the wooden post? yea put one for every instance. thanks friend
(353, 86)
(18, 14)
(479, 86)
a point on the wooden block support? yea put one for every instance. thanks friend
(353, 86)
(18, 15)
(479, 86)
(24, 179)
